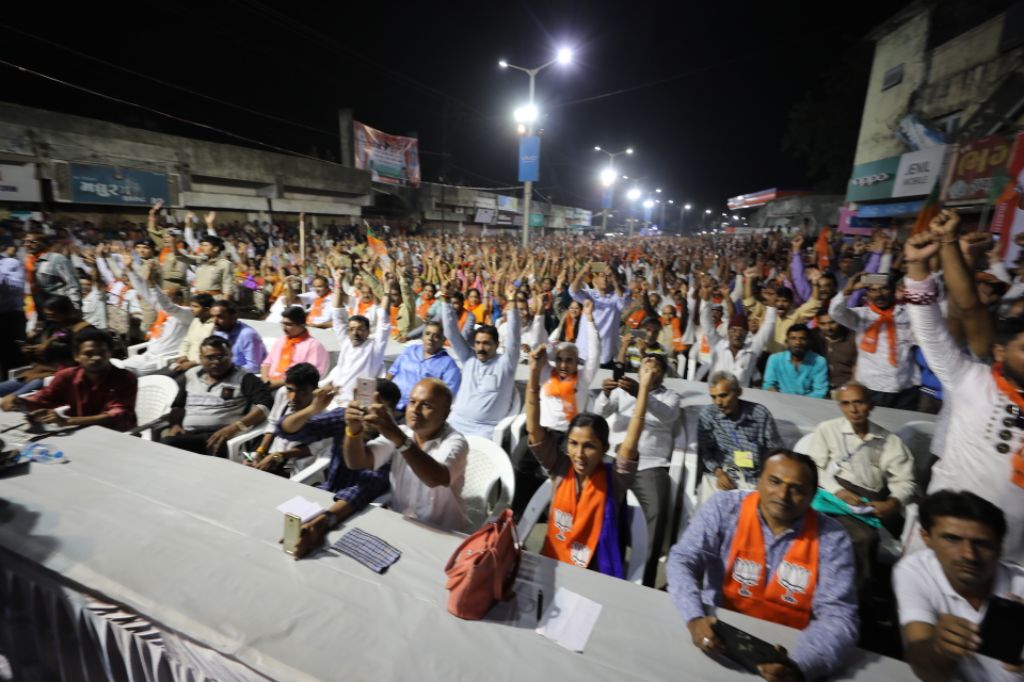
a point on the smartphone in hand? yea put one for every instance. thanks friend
(366, 389)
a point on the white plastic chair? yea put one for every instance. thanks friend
(803, 444)
(537, 505)
(154, 398)
(917, 436)
(487, 467)
(314, 473)
(637, 540)
(236, 445)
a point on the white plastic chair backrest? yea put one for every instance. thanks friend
(487, 466)
(538, 504)
(637, 540)
(804, 443)
(917, 436)
(154, 397)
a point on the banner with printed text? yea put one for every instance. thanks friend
(391, 159)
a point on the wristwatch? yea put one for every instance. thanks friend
(405, 445)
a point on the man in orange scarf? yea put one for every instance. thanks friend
(885, 363)
(767, 554)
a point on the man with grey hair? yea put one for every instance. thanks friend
(868, 468)
(733, 437)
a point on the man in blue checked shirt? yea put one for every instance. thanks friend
(733, 438)
(420, 361)
(767, 554)
(353, 490)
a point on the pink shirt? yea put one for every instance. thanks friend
(308, 350)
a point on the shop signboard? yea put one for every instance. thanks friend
(874, 180)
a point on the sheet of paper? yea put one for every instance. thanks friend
(569, 620)
(861, 509)
(301, 507)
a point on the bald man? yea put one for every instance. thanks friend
(427, 456)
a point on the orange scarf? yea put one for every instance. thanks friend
(30, 270)
(317, 309)
(157, 328)
(164, 253)
(705, 347)
(479, 312)
(636, 319)
(677, 333)
(394, 319)
(565, 390)
(822, 248)
(869, 344)
(574, 524)
(287, 351)
(1011, 393)
(363, 306)
(788, 597)
(423, 308)
(569, 329)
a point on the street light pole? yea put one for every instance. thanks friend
(564, 57)
(609, 179)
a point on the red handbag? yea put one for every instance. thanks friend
(483, 569)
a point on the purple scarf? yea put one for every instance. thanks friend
(609, 554)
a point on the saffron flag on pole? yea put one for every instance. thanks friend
(375, 244)
(928, 211)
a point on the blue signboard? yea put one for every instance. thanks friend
(899, 208)
(94, 184)
(529, 159)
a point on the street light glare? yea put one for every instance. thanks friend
(671, 201)
(564, 55)
(648, 203)
(608, 176)
(629, 150)
(658, 190)
(597, 148)
(633, 194)
(687, 207)
(707, 211)
(526, 114)
(502, 63)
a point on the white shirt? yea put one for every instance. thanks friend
(607, 316)
(308, 298)
(873, 369)
(365, 360)
(441, 505)
(552, 413)
(924, 593)
(488, 389)
(178, 318)
(969, 460)
(880, 460)
(279, 444)
(94, 308)
(744, 363)
(276, 308)
(532, 335)
(659, 430)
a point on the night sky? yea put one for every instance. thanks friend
(708, 85)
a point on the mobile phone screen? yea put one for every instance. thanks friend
(365, 390)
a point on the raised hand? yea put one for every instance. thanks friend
(210, 218)
(944, 225)
(920, 247)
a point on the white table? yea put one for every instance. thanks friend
(190, 542)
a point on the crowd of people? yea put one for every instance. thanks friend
(930, 322)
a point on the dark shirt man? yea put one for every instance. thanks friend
(216, 401)
(96, 392)
(838, 346)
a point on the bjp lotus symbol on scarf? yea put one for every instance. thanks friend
(747, 573)
(563, 523)
(794, 578)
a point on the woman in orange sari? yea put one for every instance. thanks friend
(586, 520)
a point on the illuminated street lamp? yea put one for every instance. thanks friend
(608, 177)
(527, 115)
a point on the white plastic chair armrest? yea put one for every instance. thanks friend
(236, 444)
(311, 471)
